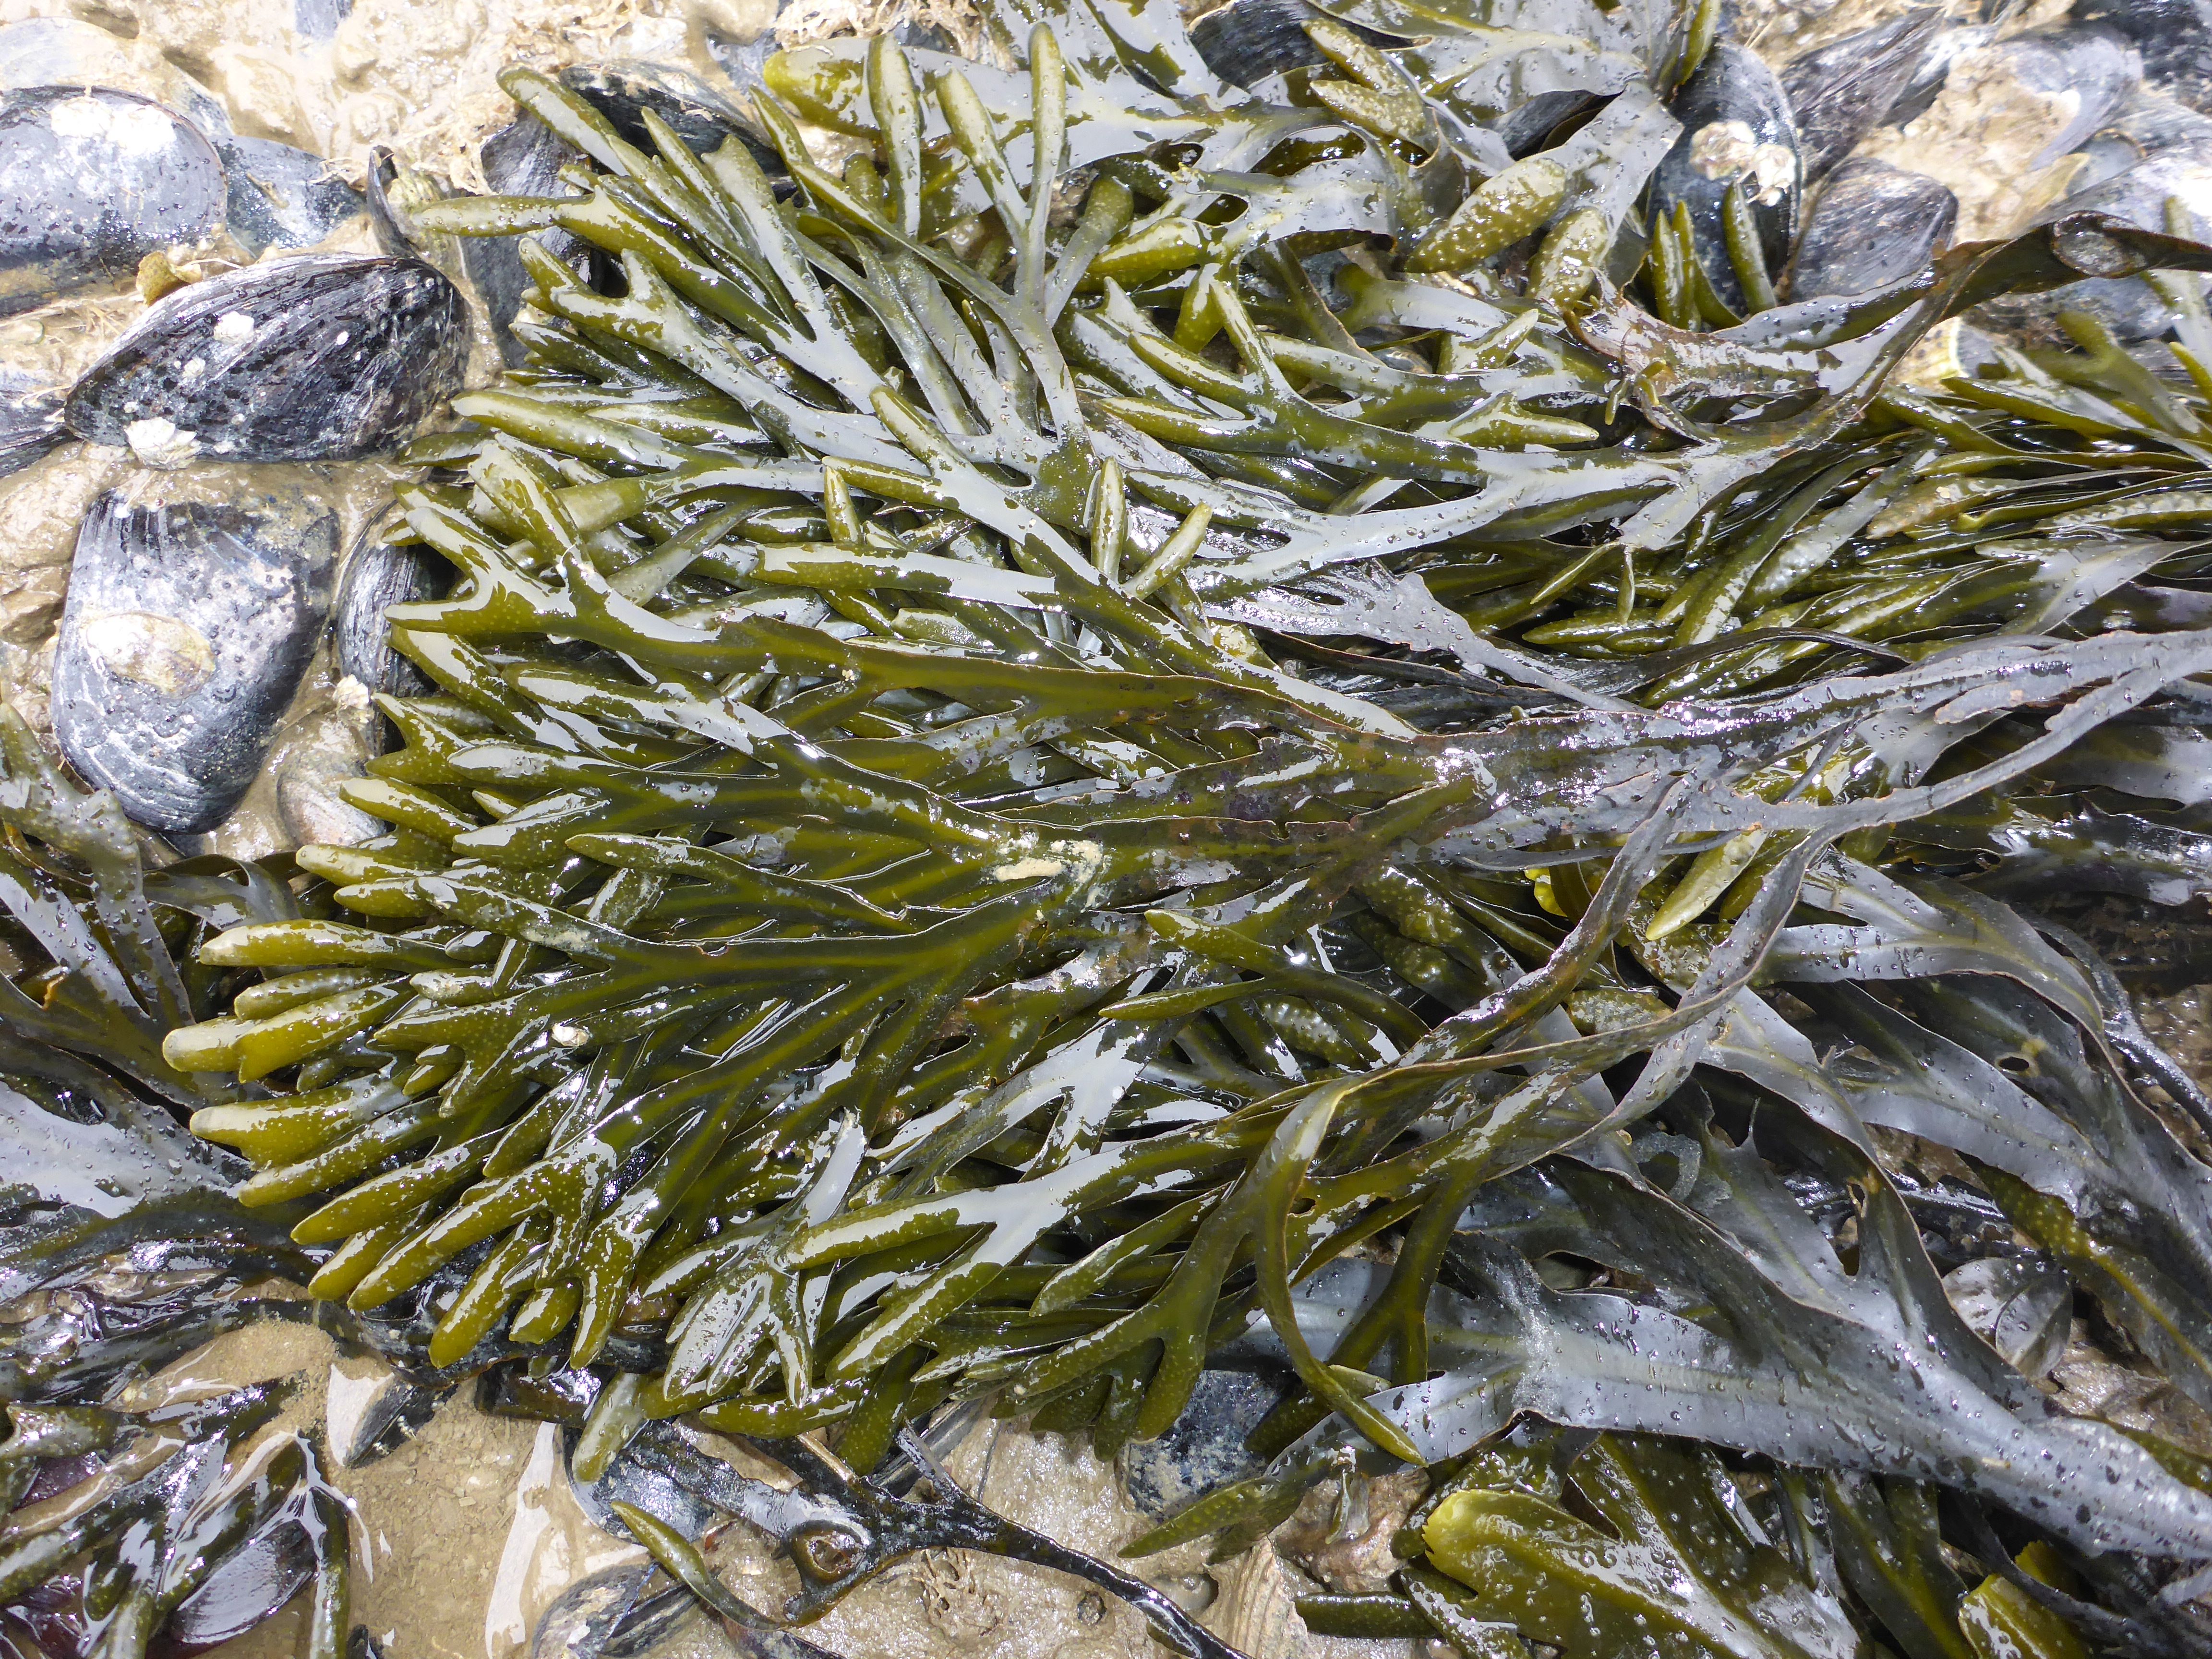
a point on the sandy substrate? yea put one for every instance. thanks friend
(470, 1531)
(462, 1537)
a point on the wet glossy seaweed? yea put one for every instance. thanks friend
(1306, 747)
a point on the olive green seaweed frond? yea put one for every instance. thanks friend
(1152, 724)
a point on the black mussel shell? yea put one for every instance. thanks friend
(512, 1389)
(327, 357)
(2108, 155)
(580, 1623)
(1871, 224)
(1246, 41)
(249, 1584)
(494, 267)
(1203, 1449)
(67, 51)
(370, 1417)
(1840, 91)
(47, 1621)
(15, 1481)
(318, 20)
(2173, 36)
(111, 1326)
(744, 63)
(523, 158)
(384, 219)
(188, 625)
(2148, 124)
(658, 1473)
(391, 190)
(280, 197)
(914, 36)
(91, 182)
(377, 576)
(1736, 126)
(624, 90)
(2093, 66)
(1528, 125)
(55, 1475)
(1944, 48)
(30, 420)
(2128, 305)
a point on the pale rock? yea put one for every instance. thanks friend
(263, 95)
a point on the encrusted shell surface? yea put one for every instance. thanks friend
(322, 357)
(91, 182)
(189, 624)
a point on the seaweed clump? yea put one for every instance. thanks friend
(130, 1511)
(1154, 723)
